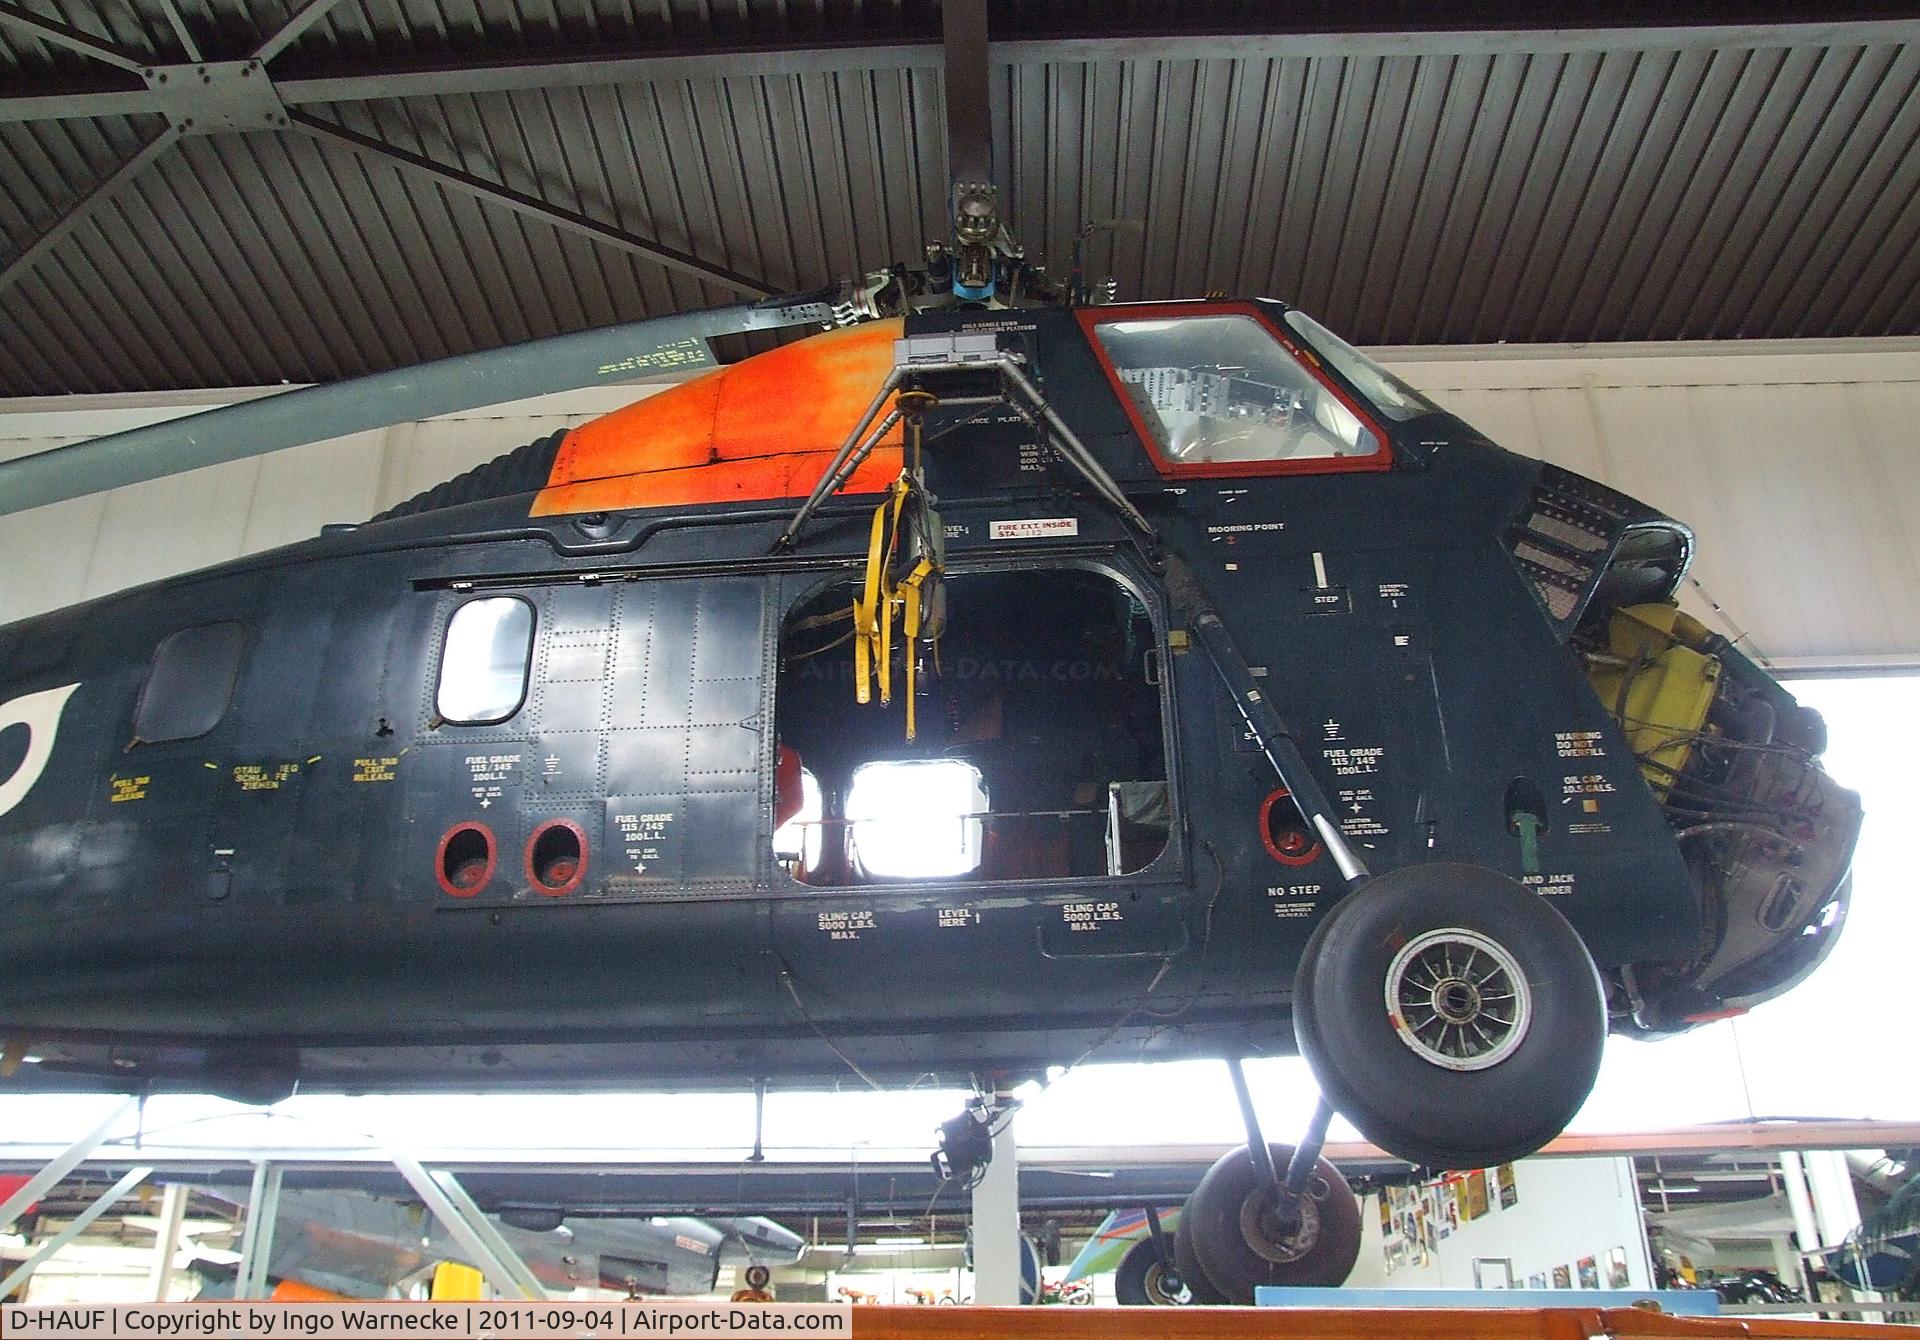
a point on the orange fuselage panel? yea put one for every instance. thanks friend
(764, 428)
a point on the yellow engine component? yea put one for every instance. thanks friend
(1659, 683)
(457, 1283)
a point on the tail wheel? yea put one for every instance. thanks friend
(1451, 1014)
(1141, 1281)
(1242, 1241)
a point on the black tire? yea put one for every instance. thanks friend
(1490, 1101)
(1200, 1289)
(1230, 1214)
(1139, 1281)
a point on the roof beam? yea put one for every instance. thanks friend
(60, 34)
(303, 18)
(58, 231)
(180, 32)
(547, 212)
(360, 81)
(65, 102)
(585, 67)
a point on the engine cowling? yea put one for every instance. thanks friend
(1769, 837)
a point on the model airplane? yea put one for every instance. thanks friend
(998, 680)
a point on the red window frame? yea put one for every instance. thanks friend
(1382, 459)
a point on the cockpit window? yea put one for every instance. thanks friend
(1221, 390)
(1391, 396)
(484, 664)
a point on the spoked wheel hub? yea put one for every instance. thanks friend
(1458, 999)
(1165, 1288)
(1143, 1280)
(1278, 1237)
(1451, 1013)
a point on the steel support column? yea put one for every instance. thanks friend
(256, 1240)
(996, 1221)
(166, 1245)
(451, 1205)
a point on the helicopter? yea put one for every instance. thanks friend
(999, 677)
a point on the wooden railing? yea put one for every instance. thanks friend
(1240, 1323)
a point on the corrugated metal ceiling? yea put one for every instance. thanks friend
(1440, 188)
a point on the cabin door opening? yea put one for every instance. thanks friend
(1040, 748)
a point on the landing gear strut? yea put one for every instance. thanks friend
(1148, 1275)
(1263, 1214)
(1273, 1214)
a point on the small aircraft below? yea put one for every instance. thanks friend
(358, 1245)
(995, 680)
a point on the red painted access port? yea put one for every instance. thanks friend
(557, 857)
(1284, 831)
(466, 859)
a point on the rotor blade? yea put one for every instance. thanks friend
(336, 409)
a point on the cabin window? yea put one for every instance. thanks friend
(797, 841)
(189, 683)
(1220, 394)
(484, 664)
(916, 819)
(1391, 396)
(1038, 752)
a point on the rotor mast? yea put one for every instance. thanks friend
(979, 235)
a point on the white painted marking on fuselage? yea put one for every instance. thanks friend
(1319, 569)
(40, 714)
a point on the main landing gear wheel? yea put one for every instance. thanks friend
(1450, 1014)
(1200, 1289)
(1242, 1241)
(1140, 1281)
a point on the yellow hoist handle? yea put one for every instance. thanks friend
(881, 599)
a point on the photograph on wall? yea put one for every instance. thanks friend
(1617, 1277)
(1589, 1273)
(1492, 1272)
(1537, 1281)
(1562, 1278)
(1477, 1202)
(1509, 1189)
